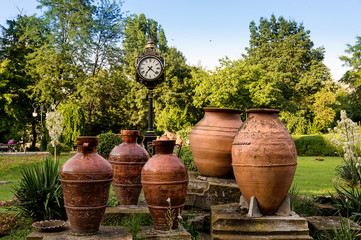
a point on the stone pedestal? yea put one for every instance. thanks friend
(203, 192)
(105, 233)
(329, 223)
(228, 223)
(151, 233)
(118, 212)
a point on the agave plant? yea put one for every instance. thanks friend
(39, 192)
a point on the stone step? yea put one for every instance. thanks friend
(203, 192)
(228, 223)
(273, 237)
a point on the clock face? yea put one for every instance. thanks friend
(150, 68)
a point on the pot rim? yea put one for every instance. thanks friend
(262, 110)
(227, 110)
(129, 132)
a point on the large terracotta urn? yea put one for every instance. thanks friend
(128, 160)
(211, 141)
(85, 179)
(264, 159)
(165, 182)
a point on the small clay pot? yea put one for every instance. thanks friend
(165, 181)
(211, 141)
(128, 160)
(85, 179)
(264, 159)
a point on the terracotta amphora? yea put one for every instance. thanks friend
(128, 160)
(165, 182)
(264, 159)
(85, 179)
(211, 141)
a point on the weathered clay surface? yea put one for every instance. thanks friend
(264, 159)
(228, 223)
(128, 160)
(86, 179)
(164, 181)
(211, 141)
(203, 192)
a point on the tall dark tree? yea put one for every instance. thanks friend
(15, 94)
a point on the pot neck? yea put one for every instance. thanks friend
(129, 136)
(164, 146)
(87, 145)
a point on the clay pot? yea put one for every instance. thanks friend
(264, 159)
(164, 177)
(211, 141)
(86, 179)
(128, 160)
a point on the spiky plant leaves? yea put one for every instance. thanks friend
(39, 192)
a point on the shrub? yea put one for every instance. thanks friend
(7, 222)
(314, 145)
(107, 143)
(187, 158)
(39, 192)
(60, 147)
(302, 205)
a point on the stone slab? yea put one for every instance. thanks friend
(229, 223)
(328, 223)
(153, 234)
(105, 233)
(203, 192)
(118, 212)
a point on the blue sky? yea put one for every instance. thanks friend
(205, 31)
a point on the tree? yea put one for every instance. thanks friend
(353, 78)
(15, 82)
(292, 68)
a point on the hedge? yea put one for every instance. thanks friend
(314, 145)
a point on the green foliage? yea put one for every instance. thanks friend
(106, 143)
(39, 192)
(19, 232)
(350, 173)
(187, 158)
(60, 147)
(314, 145)
(348, 202)
(302, 205)
(73, 123)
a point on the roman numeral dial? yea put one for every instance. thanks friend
(150, 68)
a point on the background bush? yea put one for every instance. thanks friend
(314, 145)
(107, 143)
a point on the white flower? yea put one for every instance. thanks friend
(357, 165)
(168, 200)
(180, 217)
(54, 123)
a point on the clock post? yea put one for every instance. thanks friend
(149, 66)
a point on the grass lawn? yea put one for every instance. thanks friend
(312, 177)
(315, 177)
(10, 166)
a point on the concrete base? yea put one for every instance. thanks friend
(329, 223)
(105, 233)
(203, 192)
(121, 211)
(228, 223)
(151, 233)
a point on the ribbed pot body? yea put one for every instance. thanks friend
(211, 141)
(264, 159)
(128, 160)
(164, 177)
(85, 179)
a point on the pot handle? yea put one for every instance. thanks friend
(148, 147)
(142, 143)
(179, 151)
(115, 138)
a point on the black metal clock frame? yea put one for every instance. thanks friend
(150, 51)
